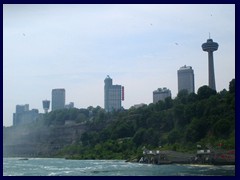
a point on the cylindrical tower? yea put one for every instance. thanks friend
(46, 104)
(210, 46)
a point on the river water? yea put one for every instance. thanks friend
(63, 167)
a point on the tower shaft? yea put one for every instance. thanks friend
(211, 77)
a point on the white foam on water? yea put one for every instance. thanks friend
(56, 167)
(52, 174)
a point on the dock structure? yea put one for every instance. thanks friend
(215, 157)
(164, 157)
(202, 156)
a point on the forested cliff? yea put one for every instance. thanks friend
(206, 118)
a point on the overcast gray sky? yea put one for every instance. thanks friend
(140, 46)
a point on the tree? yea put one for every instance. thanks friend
(81, 118)
(196, 130)
(192, 97)
(73, 114)
(232, 86)
(138, 137)
(168, 102)
(158, 106)
(174, 136)
(85, 139)
(151, 137)
(223, 93)
(105, 134)
(189, 112)
(222, 128)
(179, 114)
(122, 130)
(205, 92)
(183, 96)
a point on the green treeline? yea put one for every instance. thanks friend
(206, 118)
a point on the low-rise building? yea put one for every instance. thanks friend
(136, 106)
(70, 105)
(161, 94)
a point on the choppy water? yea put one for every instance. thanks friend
(62, 167)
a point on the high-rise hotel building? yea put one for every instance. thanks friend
(186, 79)
(58, 99)
(113, 95)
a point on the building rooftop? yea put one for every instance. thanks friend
(108, 77)
(185, 67)
(58, 89)
(161, 90)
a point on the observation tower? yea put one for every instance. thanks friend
(46, 104)
(210, 46)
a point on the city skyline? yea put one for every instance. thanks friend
(140, 46)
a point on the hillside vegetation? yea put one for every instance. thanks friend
(206, 118)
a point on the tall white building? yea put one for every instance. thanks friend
(58, 99)
(161, 94)
(186, 79)
(113, 95)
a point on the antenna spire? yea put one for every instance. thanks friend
(209, 35)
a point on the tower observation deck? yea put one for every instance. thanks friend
(210, 46)
(46, 104)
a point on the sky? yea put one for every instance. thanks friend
(140, 46)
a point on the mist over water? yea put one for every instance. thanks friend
(62, 167)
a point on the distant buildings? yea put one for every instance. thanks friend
(22, 108)
(70, 105)
(161, 94)
(24, 116)
(113, 95)
(58, 99)
(186, 79)
(136, 106)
